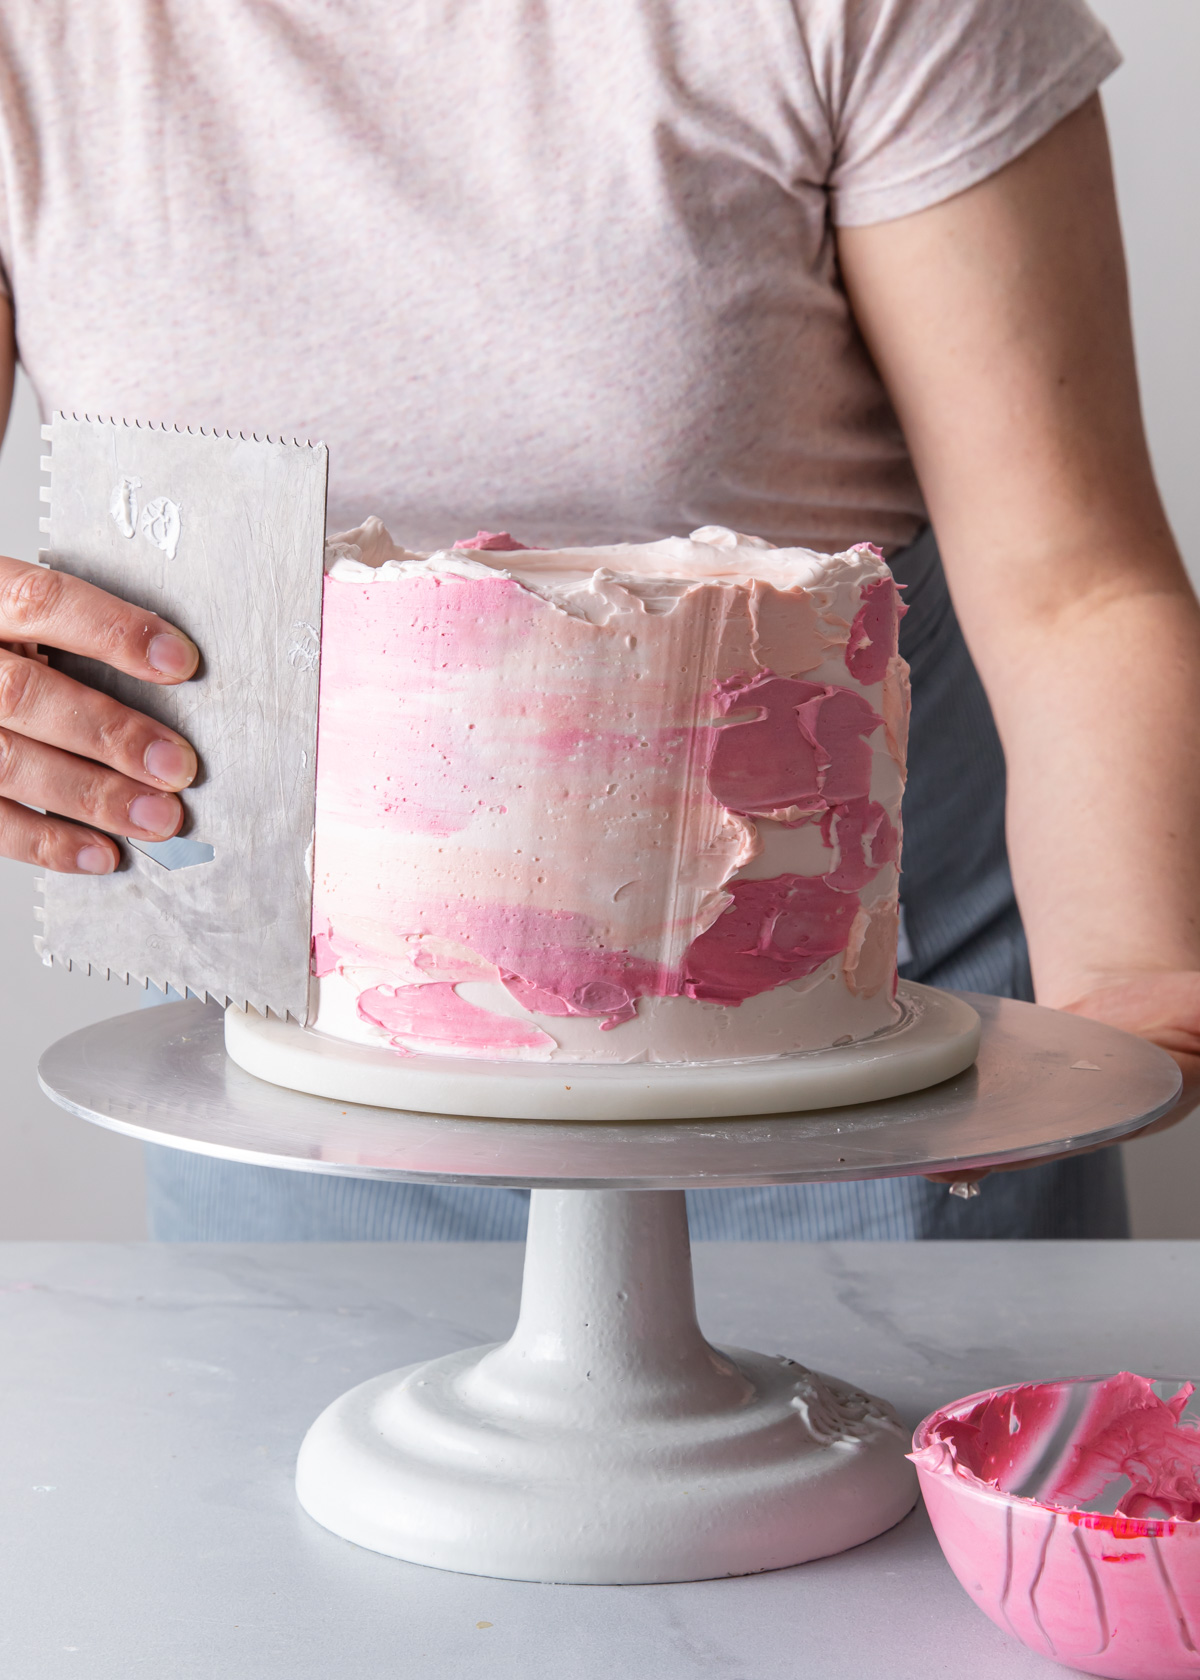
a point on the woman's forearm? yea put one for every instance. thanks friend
(1098, 708)
(1000, 321)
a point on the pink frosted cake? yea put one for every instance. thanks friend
(625, 804)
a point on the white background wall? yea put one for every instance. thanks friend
(62, 1178)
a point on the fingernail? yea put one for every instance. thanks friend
(155, 813)
(171, 762)
(94, 860)
(172, 656)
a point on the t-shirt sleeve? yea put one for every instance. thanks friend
(927, 97)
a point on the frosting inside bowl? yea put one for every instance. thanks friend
(1118, 1446)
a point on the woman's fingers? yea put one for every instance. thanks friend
(53, 844)
(44, 705)
(75, 752)
(35, 774)
(41, 605)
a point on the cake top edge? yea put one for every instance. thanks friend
(711, 554)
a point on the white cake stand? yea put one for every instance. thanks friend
(607, 1441)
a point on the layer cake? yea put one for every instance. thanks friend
(595, 805)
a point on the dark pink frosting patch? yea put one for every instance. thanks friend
(873, 635)
(494, 542)
(805, 747)
(774, 931)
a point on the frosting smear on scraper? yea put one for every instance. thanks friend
(629, 803)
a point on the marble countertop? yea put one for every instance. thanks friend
(154, 1398)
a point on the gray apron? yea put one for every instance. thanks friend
(961, 929)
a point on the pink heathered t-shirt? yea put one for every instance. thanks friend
(537, 265)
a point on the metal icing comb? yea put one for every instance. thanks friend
(224, 536)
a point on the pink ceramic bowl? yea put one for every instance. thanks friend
(1069, 1512)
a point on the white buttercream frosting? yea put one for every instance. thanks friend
(574, 579)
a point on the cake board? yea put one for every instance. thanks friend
(935, 1037)
(607, 1441)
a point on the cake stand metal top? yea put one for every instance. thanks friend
(1045, 1083)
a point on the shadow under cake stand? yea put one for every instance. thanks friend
(607, 1441)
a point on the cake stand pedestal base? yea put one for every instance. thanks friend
(607, 1441)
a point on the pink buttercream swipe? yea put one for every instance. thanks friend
(870, 960)
(419, 767)
(434, 1016)
(591, 997)
(805, 748)
(873, 635)
(773, 931)
(557, 954)
(895, 705)
(324, 957)
(494, 542)
(867, 839)
(787, 632)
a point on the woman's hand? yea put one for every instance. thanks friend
(90, 762)
(1162, 1006)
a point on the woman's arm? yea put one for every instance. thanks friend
(1000, 322)
(77, 753)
